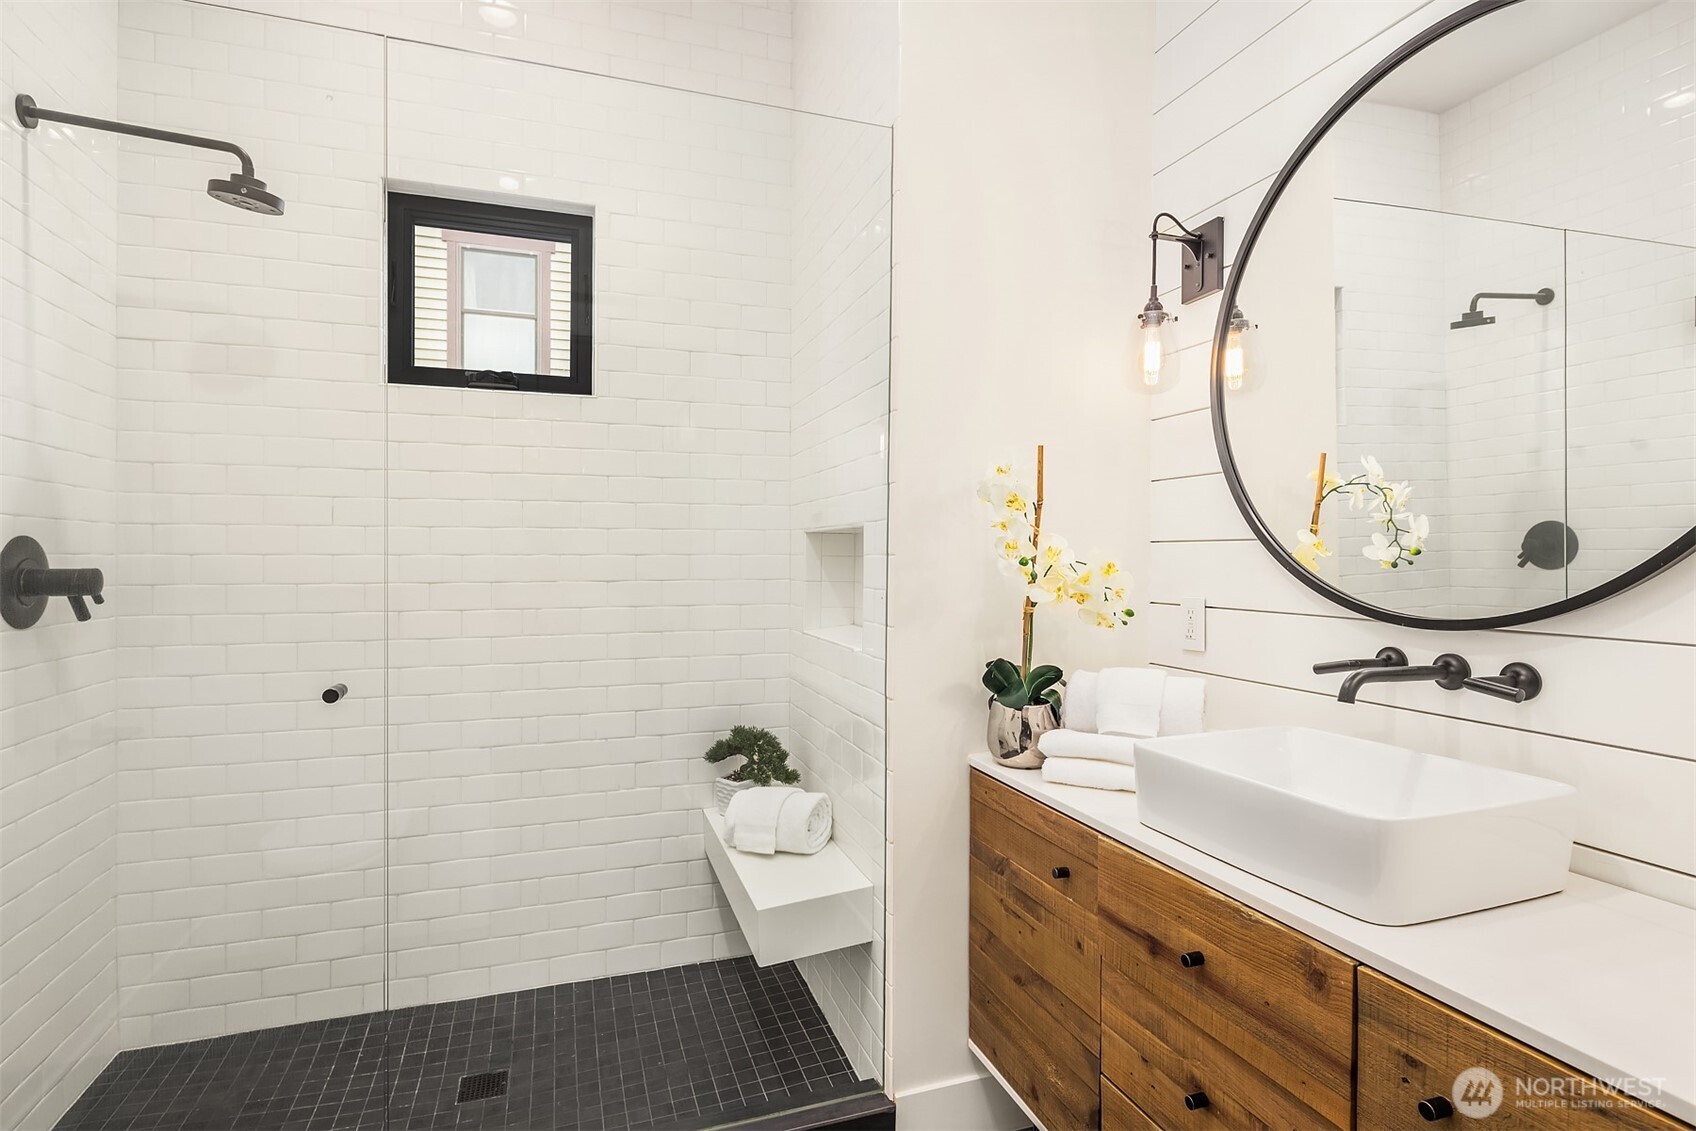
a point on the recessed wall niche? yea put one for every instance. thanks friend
(835, 584)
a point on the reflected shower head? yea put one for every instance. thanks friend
(242, 189)
(246, 192)
(1476, 317)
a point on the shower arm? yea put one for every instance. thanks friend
(1542, 298)
(32, 115)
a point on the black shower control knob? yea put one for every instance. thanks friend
(1435, 1108)
(1190, 959)
(335, 693)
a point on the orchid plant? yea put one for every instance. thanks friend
(1403, 534)
(1050, 573)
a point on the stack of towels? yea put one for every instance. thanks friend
(778, 818)
(1106, 712)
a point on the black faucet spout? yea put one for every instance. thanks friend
(1447, 671)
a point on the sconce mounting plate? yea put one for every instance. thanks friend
(1204, 262)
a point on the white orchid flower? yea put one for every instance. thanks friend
(1330, 484)
(1382, 551)
(1310, 548)
(1374, 471)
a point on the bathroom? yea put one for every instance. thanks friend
(390, 721)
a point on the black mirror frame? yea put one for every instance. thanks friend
(1681, 547)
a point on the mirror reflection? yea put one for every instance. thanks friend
(1476, 304)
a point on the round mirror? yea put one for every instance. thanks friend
(1454, 380)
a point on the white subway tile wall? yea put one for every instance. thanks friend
(736, 48)
(1227, 119)
(584, 591)
(250, 531)
(544, 607)
(58, 686)
(839, 430)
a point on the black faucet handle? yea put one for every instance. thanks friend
(1391, 657)
(1518, 682)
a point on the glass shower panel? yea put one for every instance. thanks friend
(584, 592)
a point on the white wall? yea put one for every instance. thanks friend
(1615, 719)
(58, 383)
(1021, 213)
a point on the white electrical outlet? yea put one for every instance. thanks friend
(1194, 612)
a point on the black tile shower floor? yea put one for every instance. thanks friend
(668, 1048)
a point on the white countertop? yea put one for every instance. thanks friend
(1599, 977)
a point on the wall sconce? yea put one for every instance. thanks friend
(1203, 274)
(1240, 359)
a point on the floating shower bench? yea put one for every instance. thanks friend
(791, 906)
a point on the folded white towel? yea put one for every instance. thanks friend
(1182, 705)
(1078, 708)
(1128, 701)
(750, 820)
(1089, 773)
(779, 818)
(1070, 744)
(803, 824)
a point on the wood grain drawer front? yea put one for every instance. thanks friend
(1118, 1113)
(1053, 849)
(1412, 1049)
(1182, 1078)
(1265, 997)
(1057, 1078)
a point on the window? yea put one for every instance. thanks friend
(488, 296)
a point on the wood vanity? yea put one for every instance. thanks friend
(1110, 991)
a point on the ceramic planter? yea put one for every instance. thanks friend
(724, 789)
(1013, 734)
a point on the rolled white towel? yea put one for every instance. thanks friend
(1079, 707)
(751, 818)
(1182, 704)
(1070, 744)
(1128, 701)
(1090, 773)
(804, 823)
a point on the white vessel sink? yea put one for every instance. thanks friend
(1385, 834)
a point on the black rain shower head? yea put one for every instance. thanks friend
(242, 189)
(1475, 317)
(245, 192)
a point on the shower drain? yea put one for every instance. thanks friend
(481, 1086)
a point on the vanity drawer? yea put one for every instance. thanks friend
(1050, 848)
(1118, 1113)
(1268, 1008)
(1034, 955)
(1185, 1079)
(1412, 1048)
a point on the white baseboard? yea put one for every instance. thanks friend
(970, 1103)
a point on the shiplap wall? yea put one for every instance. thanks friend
(1237, 85)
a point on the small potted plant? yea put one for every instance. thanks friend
(764, 761)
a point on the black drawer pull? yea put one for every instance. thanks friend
(1061, 873)
(1195, 1101)
(1435, 1108)
(1190, 959)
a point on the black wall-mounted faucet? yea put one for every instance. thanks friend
(26, 583)
(1448, 671)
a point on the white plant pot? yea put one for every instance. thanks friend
(724, 789)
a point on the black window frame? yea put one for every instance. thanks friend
(409, 211)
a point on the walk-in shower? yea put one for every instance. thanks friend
(374, 795)
(242, 189)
